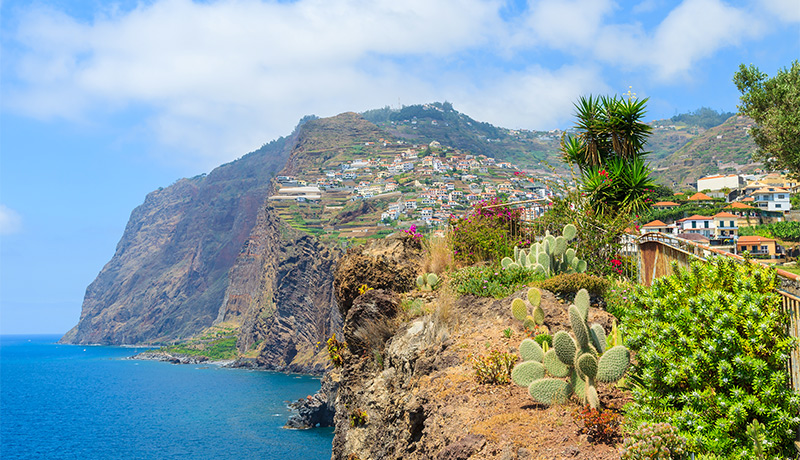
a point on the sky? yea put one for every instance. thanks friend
(102, 102)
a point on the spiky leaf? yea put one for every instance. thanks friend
(569, 232)
(538, 315)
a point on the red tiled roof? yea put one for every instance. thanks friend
(666, 203)
(738, 205)
(695, 217)
(699, 197)
(724, 214)
(754, 239)
(655, 223)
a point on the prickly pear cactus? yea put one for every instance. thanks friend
(583, 357)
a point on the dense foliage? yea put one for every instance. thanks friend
(786, 231)
(491, 281)
(486, 233)
(609, 151)
(494, 368)
(712, 347)
(567, 284)
(774, 104)
(703, 117)
(654, 441)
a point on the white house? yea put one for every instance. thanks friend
(772, 199)
(719, 182)
(697, 224)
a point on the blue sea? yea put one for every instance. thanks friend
(89, 402)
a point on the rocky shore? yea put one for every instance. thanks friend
(177, 358)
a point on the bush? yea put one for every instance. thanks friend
(494, 368)
(712, 348)
(335, 348)
(492, 281)
(618, 297)
(600, 425)
(485, 234)
(567, 284)
(657, 441)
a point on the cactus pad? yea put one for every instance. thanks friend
(591, 397)
(550, 391)
(579, 327)
(538, 315)
(569, 232)
(519, 309)
(582, 302)
(560, 246)
(530, 350)
(553, 365)
(587, 365)
(526, 372)
(506, 261)
(598, 336)
(613, 364)
(433, 280)
(565, 347)
(534, 296)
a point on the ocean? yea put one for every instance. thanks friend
(89, 402)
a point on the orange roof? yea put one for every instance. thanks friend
(655, 223)
(749, 198)
(738, 205)
(666, 203)
(754, 239)
(695, 217)
(767, 190)
(699, 197)
(724, 214)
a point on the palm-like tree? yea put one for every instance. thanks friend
(609, 151)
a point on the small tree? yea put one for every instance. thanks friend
(774, 104)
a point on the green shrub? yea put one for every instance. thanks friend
(657, 441)
(358, 418)
(335, 348)
(485, 234)
(618, 296)
(494, 368)
(567, 284)
(492, 281)
(712, 348)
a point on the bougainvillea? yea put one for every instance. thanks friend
(486, 233)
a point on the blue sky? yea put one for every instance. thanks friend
(102, 102)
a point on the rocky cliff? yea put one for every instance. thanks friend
(407, 389)
(168, 276)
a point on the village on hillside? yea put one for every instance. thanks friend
(740, 201)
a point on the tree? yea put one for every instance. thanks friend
(774, 104)
(609, 151)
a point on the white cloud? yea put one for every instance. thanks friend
(10, 221)
(784, 10)
(217, 79)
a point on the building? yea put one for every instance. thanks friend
(656, 226)
(725, 225)
(697, 224)
(719, 182)
(772, 199)
(759, 246)
(701, 198)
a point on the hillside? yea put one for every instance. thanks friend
(723, 149)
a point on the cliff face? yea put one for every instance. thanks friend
(281, 296)
(168, 275)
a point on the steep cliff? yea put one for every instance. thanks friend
(281, 296)
(168, 276)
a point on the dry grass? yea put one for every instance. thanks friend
(438, 256)
(445, 315)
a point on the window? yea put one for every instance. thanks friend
(763, 249)
(694, 224)
(755, 248)
(732, 224)
(706, 224)
(780, 197)
(777, 205)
